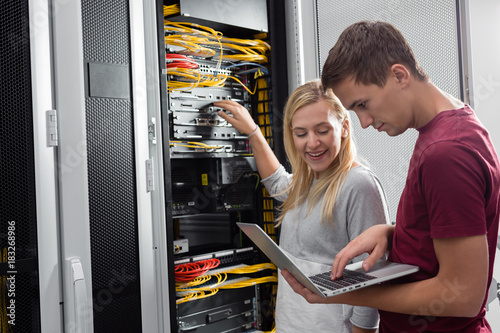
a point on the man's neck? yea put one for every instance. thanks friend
(430, 101)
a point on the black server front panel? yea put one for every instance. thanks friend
(19, 282)
(111, 166)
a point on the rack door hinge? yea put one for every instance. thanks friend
(52, 135)
(152, 130)
(150, 179)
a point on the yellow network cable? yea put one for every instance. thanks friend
(191, 45)
(186, 26)
(264, 121)
(187, 37)
(262, 106)
(186, 288)
(196, 295)
(250, 269)
(247, 53)
(246, 57)
(195, 292)
(228, 285)
(252, 50)
(195, 145)
(257, 44)
(196, 282)
(171, 10)
(250, 45)
(192, 28)
(249, 282)
(244, 86)
(193, 78)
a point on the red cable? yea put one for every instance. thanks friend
(179, 60)
(190, 271)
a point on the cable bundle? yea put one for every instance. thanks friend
(197, 41)
(179, 61)
(193, 78)
(190, 292)
(194, 145)
(204, 286)
(196, 295)
(187, 32)
(249, 282)
(191, 45)
(248, 269)
(190, 271)
(171, 10)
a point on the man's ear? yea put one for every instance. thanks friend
(400, 73)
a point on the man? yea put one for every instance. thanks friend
(448, 214)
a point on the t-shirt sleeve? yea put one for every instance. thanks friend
(367, 204)
(277, 183)
(365, 317)
(366, 207)
(453, 185)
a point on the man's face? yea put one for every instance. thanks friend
(385, 109)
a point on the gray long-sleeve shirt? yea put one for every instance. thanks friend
(313, 245)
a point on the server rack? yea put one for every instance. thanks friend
(95, 211)
(76, 212)
(211, 180)
(30, 283)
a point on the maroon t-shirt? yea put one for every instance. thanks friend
(452, 190)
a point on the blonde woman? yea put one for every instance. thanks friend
(328, 200)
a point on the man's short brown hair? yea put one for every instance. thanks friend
(366, 51)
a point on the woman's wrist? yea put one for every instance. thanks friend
(254, 131)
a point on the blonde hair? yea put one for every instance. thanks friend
(331, 181)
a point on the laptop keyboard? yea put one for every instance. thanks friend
(349, 278)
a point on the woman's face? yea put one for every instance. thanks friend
(317, 135)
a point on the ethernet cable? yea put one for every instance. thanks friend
(171, 10)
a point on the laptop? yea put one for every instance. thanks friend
(354, 276)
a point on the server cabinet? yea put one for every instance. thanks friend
(209, 177)
(105, 215)
(29, 269)
(88, 194)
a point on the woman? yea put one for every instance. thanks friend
(328, 200)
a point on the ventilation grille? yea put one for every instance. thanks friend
(431, 30)
(17, 177)
(111, 174)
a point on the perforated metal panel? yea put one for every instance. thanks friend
(17, 166)
(112, 176)
(430, 27)
(106, 26)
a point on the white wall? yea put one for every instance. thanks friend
(485, 48)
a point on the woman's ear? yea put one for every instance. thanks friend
(345, 128)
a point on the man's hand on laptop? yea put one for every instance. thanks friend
(374, 241)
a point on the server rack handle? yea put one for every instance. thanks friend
(76, 321)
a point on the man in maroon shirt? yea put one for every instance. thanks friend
(448, 214)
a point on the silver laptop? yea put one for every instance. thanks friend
(354, 275)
